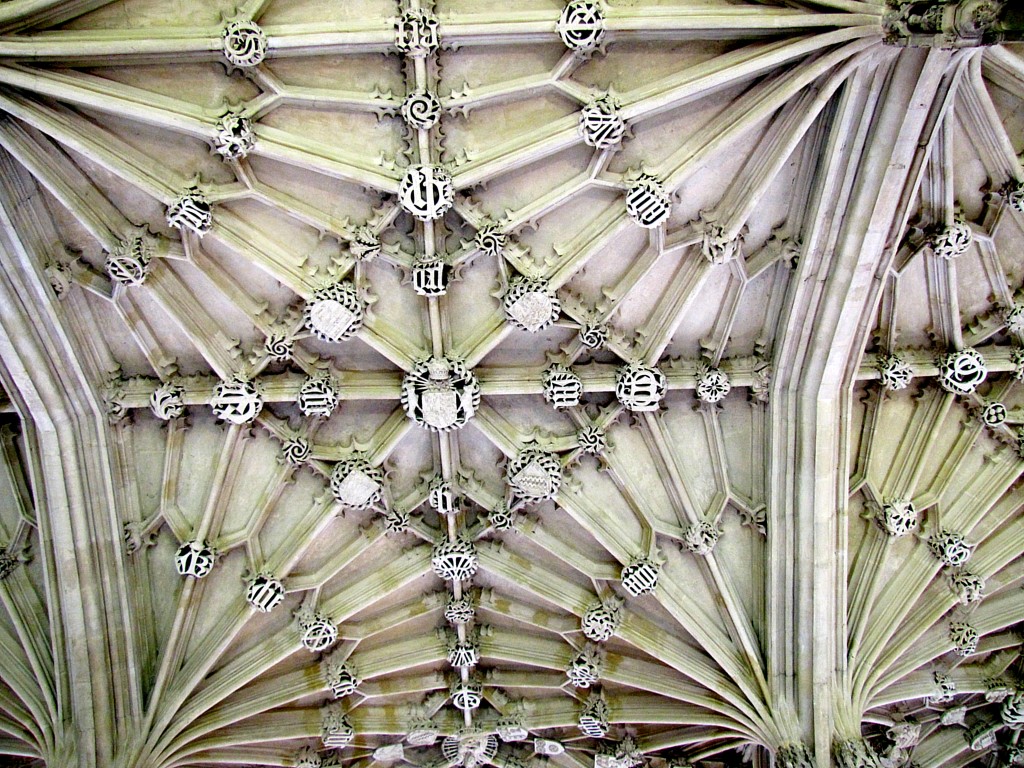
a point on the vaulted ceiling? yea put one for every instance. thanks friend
(447, 383)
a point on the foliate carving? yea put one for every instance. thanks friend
(794, 756)
(296, 450)
(430, 276)
(237, 401)
(592, 440)
(279, 347)
(562, 387)
(898, 517)
(949, 547)
(334, 313)
(593, 720)
(1012, 711)
(167, 401)
(760, 387)
(581, 25)
(128, 263)
(952, 24)
(967, 587)
(647, 202)
(640, 577)
(441, 497)
(945, 688)
(235, 137)
(356, 483)
(490, 240)
(365, 244)
(9, 561)
(191, 210)
(469, 749)
(600, 124)
(952, 241)
(463, 653)
(396, 521)
(1014, 754)
(905, 735)
(317, 397)
(640, 387)
(195, 559)
(625, 754)
(854, 753)
(511, 729)
(308, 758)
(700, 539)
(244, 43)
(601, 620)
(716, 245)
(585, 668)
(421, 110)
(60, 278)
(961, 372)
(337, 731)
(530, 305)
(534, 475)
(264, 592)
(426, 192)
(316, 631)
(416, 33)
(894, 372)
(467, 695)
(501, 518)
(594, 335)
(994, 414)
(340, 677)
(964, 638)
(712, 385)
(440, 394)
(459, 612)
(454, 559)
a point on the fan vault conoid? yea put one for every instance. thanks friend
(449, 383)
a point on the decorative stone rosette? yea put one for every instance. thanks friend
(167, 401)
(334, 313)
(894, 373)
(421, 110)
(440, 394)
(235, 137)
(712, 385)
(898, 517)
